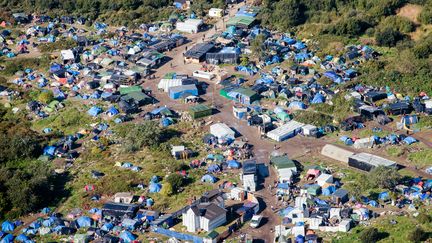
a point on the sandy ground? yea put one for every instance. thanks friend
(410, 11)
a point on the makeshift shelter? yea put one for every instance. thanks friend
(182, 91)
(94, 111)
(154, 187)
(367, 162)
(221, 130)
(84, 222)
(190, 25)
(288, 130)
(7, 226)
(340, 196)
(336, 153)
(199, 111)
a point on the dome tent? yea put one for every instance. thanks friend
(84, 222)
(208, 178)
(155, 187)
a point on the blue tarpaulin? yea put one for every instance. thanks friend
(8, 226)
(94, 111)
(318, 99)
(84, 222)
(127, 237)
(154, 187)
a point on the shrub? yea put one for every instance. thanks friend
(46, 97)
(388, 37)
(424, 218)
(417, 235)
(175, 180)
(167, 189)
(137, 136)
(369, 235)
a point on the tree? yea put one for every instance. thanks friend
(287, 14)
(388, 37)
(258, 47)
(369, 235)
(45, 97)
(175, 180)
(384, 177)
(137, 136)
(417, 235)
(167, 189)
(244, 60)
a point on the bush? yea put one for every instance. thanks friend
(417, 235)
(175, 180)
(137, 136)
(369, 235)
(315, 118)
(45, 97)
(350, 27)
(384, 177)
(388, 37)
(167, 189)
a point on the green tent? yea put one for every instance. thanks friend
(200, 111)
(283, 116)
(314, 190)
(130, 89)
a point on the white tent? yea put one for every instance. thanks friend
(215, 12)
(189, 26)
(364, 143)
(67, 55)
(165, 84)
(221, 130)
(323, 179)
(285, 131)
(336, 153)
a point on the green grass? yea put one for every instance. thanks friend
(69, 120)
(395, 151)
(391, 233)
(367, 132)
(421, 158)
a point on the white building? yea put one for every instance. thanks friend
(249, 175)
(123, 197)
(288, 130)
(67, 55)
(221, 130)
(189, 26)
(216, 12)
(204, 216)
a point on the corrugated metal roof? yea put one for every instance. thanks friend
(373, 159)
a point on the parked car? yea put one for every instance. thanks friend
(256, 221)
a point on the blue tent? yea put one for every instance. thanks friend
(384, 196)
(46, 210)
(127, 236)
(7, 239)
(208, 178)
(112, 111)
(333, 76)
(8, 226)
(35, 225)
(149, 202)
(84, 222)
(299, 239)
(347, 140)
(107, 227)
(318, 99)
(328, 190)
(297, 105)
(165, 122)
(410, 140)
(95, 211)
(127, 165)
(299, 45)
(94, 111)
(22, 238)
(213, 168)
(49, 150)
(154, 179)
(233, 164)
(155, 187)
(373, 203)
(48, 222)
